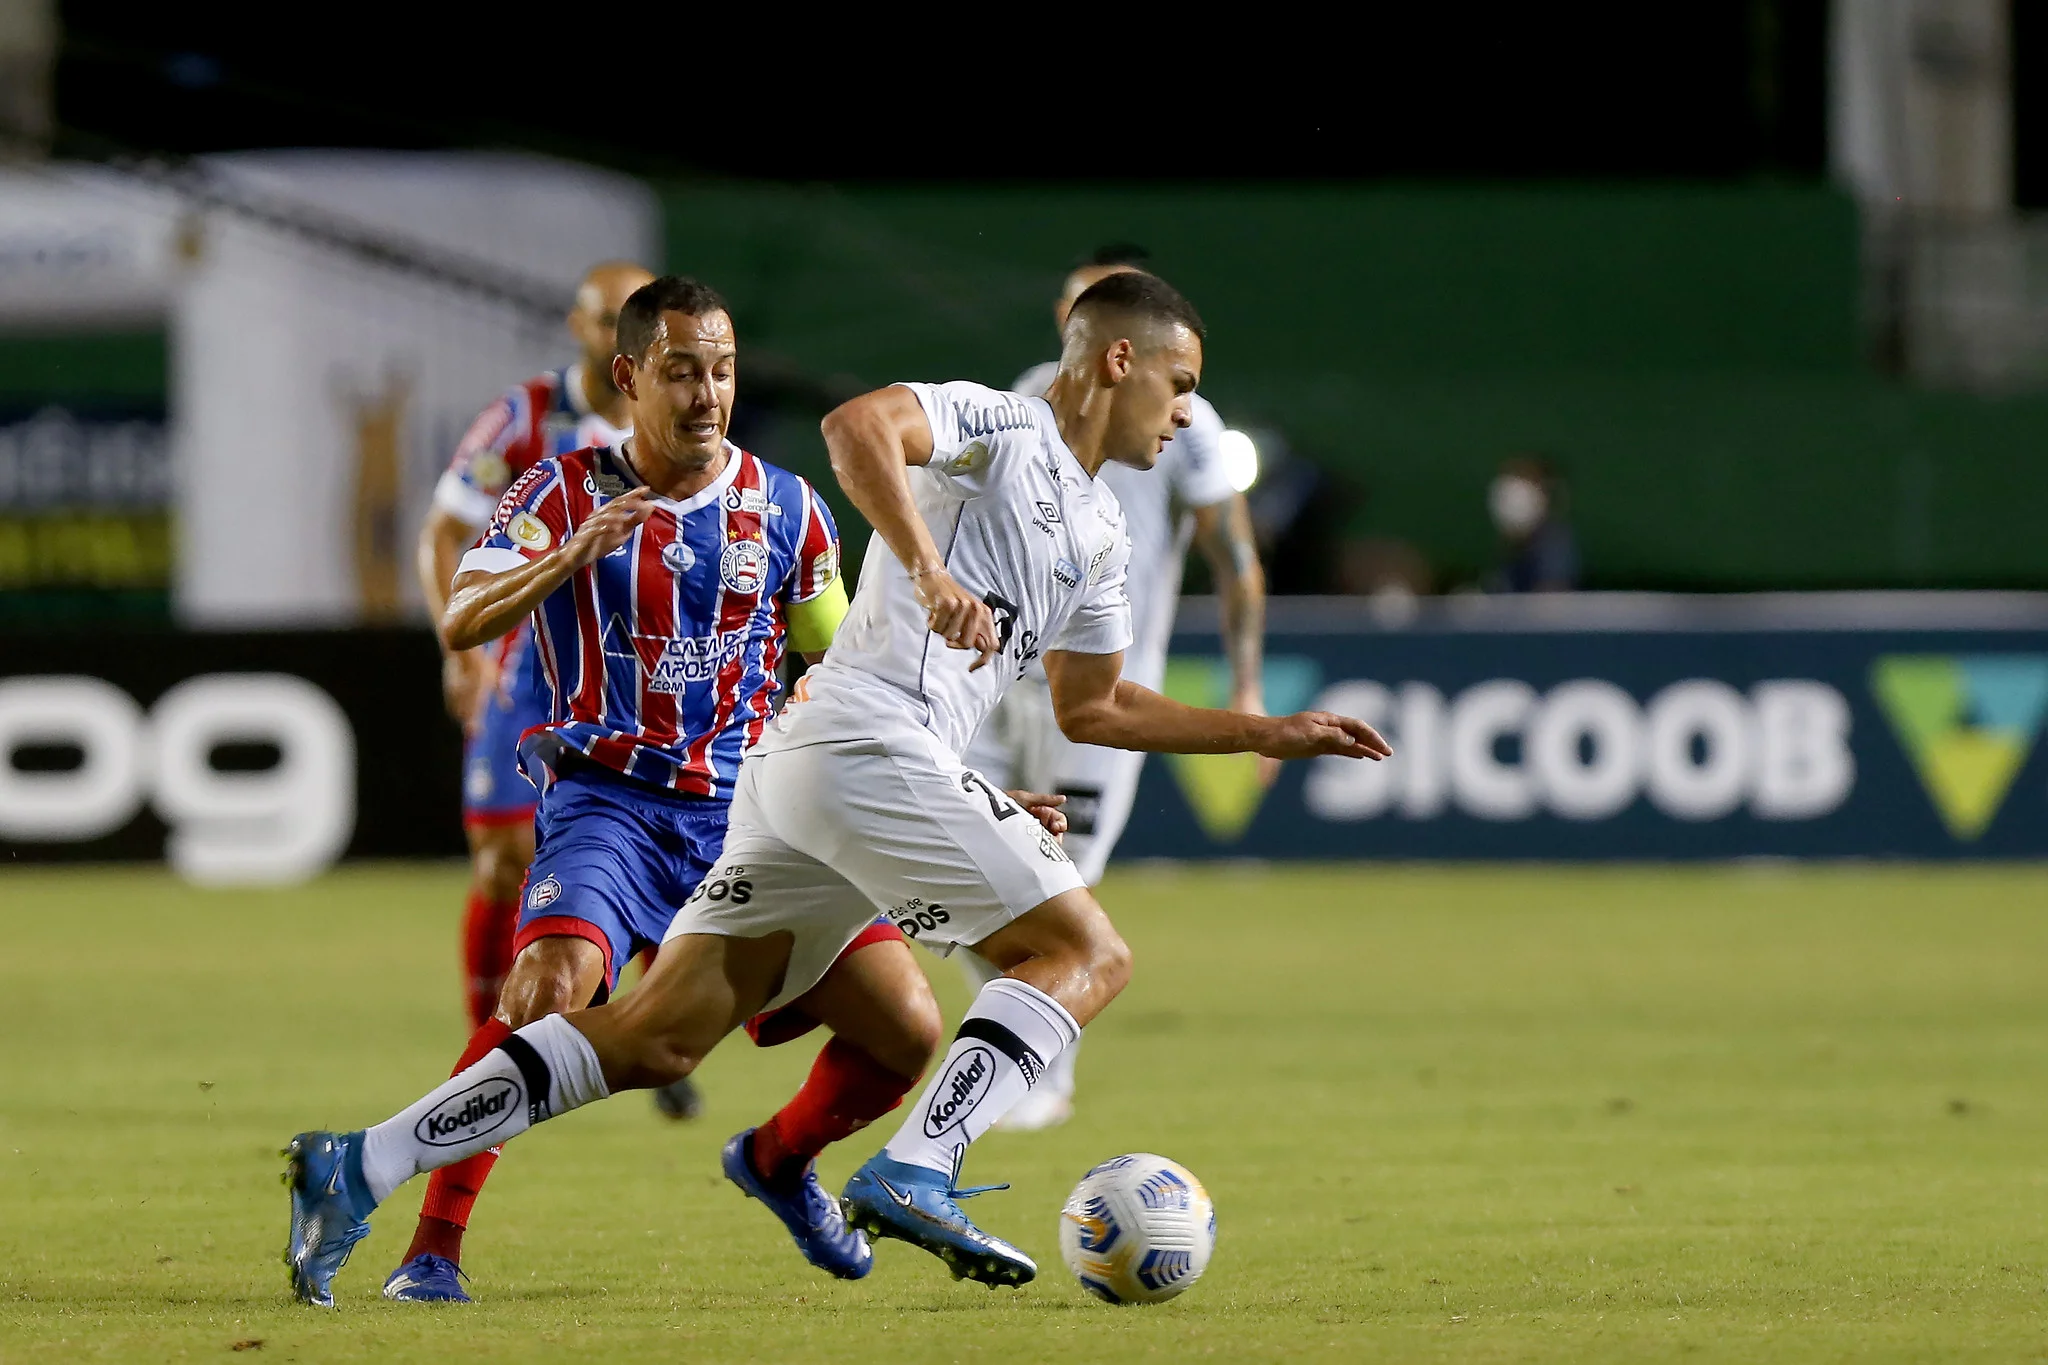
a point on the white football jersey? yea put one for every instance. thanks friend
(1157, 503)
(1020, 524)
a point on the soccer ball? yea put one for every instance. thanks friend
(1138, 1229)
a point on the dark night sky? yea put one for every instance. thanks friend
(1686, 90)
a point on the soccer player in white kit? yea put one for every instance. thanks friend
(992, 535)
(1187, 496)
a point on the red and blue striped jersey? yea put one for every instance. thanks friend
(662, 656)
(546, 415)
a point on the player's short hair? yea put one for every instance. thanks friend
(640, 318)
(1137, 293)
(1118, 253)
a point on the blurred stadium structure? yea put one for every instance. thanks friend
(228, 381)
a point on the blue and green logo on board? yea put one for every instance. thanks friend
(1224, 790)
(1967, 723)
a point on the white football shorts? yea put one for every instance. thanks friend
(1020, 745)
(825, 836)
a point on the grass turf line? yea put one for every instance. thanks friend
(1475, 1115)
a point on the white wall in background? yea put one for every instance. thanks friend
(315, 395)
(81, 247)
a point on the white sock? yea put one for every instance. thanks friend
(1011, 1033)
(545, 1069)
(1059, 1071)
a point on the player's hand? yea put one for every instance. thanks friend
(609, 527)
(465, 676)
(956, 615)
(1252, 703)
(1044, 809)
(1310, 734)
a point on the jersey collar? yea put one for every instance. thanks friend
(705, 496)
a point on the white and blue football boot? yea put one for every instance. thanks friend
(330, 1210)
(918, 1205)
(426, 1278)
(813, 1218)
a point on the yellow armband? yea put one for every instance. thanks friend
(813, 622)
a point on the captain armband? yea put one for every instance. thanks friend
(813, 622)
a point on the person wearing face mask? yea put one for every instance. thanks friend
(1538, 551)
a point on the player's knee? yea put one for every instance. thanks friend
(920, 1031)
(551, 976)
(1111, 958)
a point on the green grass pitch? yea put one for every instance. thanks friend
(1471, 1115)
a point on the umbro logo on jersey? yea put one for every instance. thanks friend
(1048, 511)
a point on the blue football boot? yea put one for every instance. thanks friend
(918, 1205)
(812, 1216)
(426, 1278)
(330, 1209)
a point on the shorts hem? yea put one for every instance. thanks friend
(567, 926)
(497, 817)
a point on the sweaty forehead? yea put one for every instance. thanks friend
(684, 332)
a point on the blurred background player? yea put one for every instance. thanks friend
(1186, 496)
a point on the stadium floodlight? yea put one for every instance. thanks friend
(1240, 459)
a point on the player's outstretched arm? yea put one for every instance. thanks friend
(487, 605)
(1094, 705)
(873, 441)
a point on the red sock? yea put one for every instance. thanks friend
(452, 1190)
(845, 1092)
(487, 929)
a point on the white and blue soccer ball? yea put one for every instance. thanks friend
(1138, 1229)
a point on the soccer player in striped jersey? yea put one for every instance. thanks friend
(665, 577)
(497, 692)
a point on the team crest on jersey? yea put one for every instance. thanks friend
(679, 557)
(530, 531)
(1050, 847)
(744, 566)
(544, 894)
(1098, 559)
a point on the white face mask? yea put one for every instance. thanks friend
(1518, 505)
